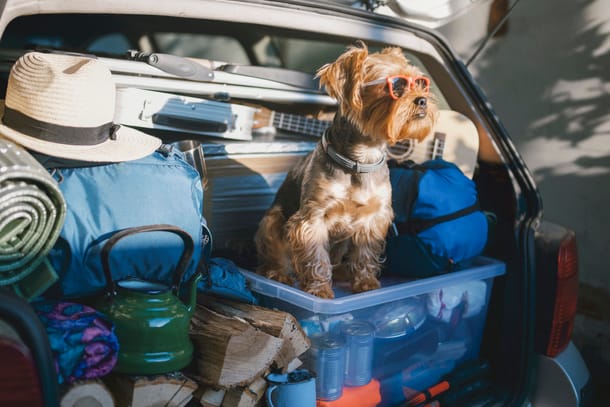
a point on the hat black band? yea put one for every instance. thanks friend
(55, 133)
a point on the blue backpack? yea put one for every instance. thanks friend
(101, 200)
(438, 225)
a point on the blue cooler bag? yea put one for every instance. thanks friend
(161, 188)
(438, 225)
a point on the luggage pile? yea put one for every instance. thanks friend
(105, 224)
(112, 247)
(115, 259)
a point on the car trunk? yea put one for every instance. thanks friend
(242, 170)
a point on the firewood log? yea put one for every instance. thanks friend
(293, 365)
(246, 396)
(276, 323)
(170, 390)
(87, 393)
(230, 352)
(210, 397)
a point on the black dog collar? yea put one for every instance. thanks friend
(348, 164)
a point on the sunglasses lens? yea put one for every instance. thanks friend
(398, 86)
(421, 83)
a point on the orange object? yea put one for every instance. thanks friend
(429, 393)
(368, 395)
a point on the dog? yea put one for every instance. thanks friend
(332, 212)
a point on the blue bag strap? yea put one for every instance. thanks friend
(414, 226)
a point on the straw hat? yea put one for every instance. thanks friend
(63, 106)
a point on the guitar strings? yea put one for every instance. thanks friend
(299, 124)
(400, 152)
(433, 149)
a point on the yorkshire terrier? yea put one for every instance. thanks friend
(332, 212)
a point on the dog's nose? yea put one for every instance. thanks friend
(421, 101)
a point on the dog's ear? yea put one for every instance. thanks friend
(342, 78)
(396, 51)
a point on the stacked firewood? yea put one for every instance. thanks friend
(237, 345)
(167, 390)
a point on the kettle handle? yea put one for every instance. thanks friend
(185, 258)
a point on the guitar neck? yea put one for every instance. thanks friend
(288, 122)
(432, 149)
(299, 124)
(428, 149)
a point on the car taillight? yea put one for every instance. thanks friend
(19, 384)
(566, 297)
(557, 291)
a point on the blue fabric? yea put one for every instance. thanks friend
(425, 192)
(161, 188)
(225, 280)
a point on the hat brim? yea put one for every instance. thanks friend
(129, 144)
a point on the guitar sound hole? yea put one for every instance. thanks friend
(401, 150)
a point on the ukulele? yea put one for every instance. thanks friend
(454, 138)
(266, 120)
(189, 115)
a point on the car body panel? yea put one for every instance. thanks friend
(503, 178)
(560, 380)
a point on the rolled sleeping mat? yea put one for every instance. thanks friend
(32, 212)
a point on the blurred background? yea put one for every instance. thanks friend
(547, 74)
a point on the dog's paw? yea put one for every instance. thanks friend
(366, 284)
(323, 292)
(280, 277)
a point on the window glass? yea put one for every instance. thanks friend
(213, 47)
(110, 44)
(31, 41)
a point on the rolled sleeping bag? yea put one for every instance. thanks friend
(32, 212)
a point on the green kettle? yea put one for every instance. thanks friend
(151, 322)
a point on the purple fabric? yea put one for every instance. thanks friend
(82, 340)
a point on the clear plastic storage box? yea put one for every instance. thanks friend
(406, 335)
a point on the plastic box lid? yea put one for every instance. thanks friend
(392, 289)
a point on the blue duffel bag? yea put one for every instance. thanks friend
(438, 225)
(161, 188)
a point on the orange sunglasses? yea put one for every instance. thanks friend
(398, 84)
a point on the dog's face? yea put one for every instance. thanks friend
(381, 93)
